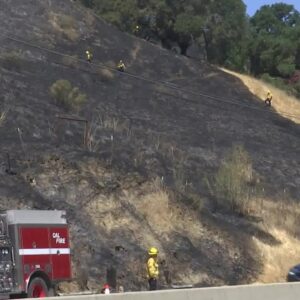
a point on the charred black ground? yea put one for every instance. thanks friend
(142, 133)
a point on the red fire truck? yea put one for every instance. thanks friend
(34, 252)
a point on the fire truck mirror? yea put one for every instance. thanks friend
(58, 252)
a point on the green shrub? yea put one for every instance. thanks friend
(297, 89)
(66, 25)
(277, 82)
(286, 68)
(66, 22)
(66, 95)
(231, 184)
(11, 61)
(292, 89)
(88, 3)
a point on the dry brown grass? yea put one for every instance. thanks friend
(112, 123)
(282, 102)
(105, 122)
(278, 259)
(155, 208)
(3, 116)
(152, 211)
(281, 220)
(231, 185)
(284, 214)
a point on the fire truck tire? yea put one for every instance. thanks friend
(38, 289)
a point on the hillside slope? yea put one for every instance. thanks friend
(140, 181)
(285, 105)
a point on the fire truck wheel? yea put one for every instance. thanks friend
(38, 288)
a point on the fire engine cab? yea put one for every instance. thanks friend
(34, 252)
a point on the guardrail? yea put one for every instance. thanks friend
(284, 291)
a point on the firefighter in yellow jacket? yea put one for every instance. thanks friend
(89, 56)
(136, 30)
(152, 268)
(269, 99)
(121, 66)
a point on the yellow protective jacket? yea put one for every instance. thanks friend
(89, 55)
(121, 66)
(136, 29)
(269, 96)
(152, 268)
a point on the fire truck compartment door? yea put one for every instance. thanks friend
(60, 252)
(35, 250)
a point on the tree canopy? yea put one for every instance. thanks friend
(274, 44)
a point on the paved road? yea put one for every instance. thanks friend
(285, 291)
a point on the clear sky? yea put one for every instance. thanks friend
(254, 5)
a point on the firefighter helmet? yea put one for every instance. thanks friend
(153, 251)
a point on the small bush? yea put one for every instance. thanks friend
(280, 84)
(297, 89)
(66, 95)
(66, 25)
(106, 75)
(66, 22)
(11, 61)
(231, 185)
(70, 61)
